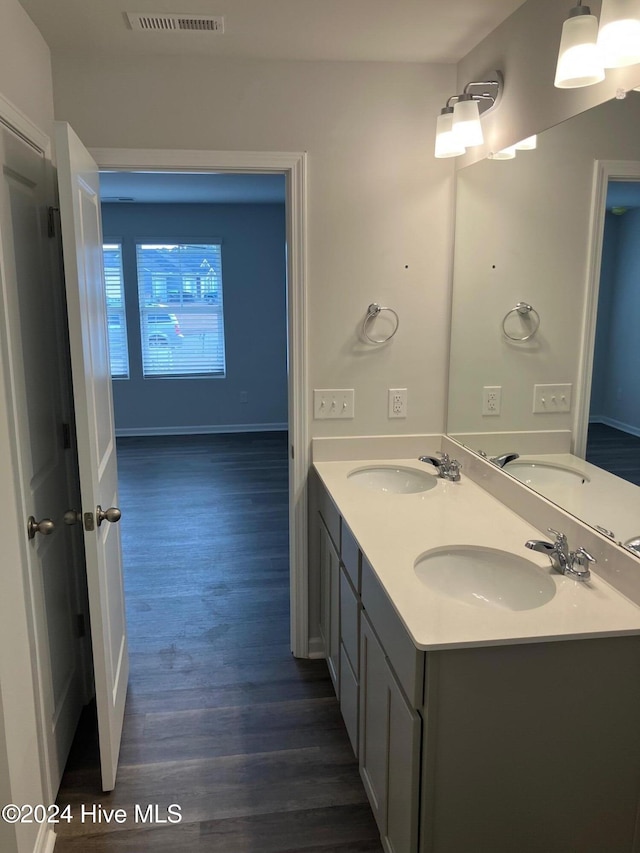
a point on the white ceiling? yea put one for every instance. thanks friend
(365, 30)
(168, 188)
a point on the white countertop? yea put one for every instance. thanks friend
(393, 530)
(605, 501)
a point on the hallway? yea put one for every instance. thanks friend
(220, 719)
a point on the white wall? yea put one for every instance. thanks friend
(379, 204)
(25, 79)
(25, 66)
(522, 234)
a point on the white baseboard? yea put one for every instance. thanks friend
(204, 429)
(46, 840)
(316, 647)
(603, 419)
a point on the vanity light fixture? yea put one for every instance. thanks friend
(447, 143)
(619, 33)
(458, 126)
(579, 62)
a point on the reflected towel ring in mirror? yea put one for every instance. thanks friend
(373, 311)
(523, 309)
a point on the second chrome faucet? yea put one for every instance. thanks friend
(448, 469)
(574, 564)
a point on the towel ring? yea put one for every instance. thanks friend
(372, 311)
(524, 310)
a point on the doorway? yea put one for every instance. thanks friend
(614, 420)
(604, 424)
(293, 167)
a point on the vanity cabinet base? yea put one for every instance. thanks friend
(532, 748)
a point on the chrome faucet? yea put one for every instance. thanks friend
(448, 469)
(574, 564)
(500, 461)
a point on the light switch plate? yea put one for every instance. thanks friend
(330, 403)
(549, 399)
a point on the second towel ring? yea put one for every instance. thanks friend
(372, 311)
(524, 310)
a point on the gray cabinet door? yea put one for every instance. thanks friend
(330, 603)
(390, 732)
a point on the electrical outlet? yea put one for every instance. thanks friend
(333, 403)
(491, 399)
(397, 402)
(551, 398)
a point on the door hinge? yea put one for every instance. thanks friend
(82, 628)
(51, 221)
(292, 453)
(66, 436)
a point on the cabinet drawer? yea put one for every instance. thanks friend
(405, 659)
(350, 556)
(349, 699)
(349, 621)
(330, 514)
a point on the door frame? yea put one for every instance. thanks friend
(293, 166)
(603, 172)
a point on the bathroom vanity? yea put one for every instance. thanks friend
(501, 722)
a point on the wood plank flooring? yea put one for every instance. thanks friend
(220, 718)
(615, 451)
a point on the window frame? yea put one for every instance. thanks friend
(186, 310)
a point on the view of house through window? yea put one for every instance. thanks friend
(116, 317)
(180, 305)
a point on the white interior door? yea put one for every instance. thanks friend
(84, 274)
(34, 360)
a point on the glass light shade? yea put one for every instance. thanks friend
(527, 144)
(619, 34)
(505, 154)
(466, 123)
(447, 143)
(579, 62)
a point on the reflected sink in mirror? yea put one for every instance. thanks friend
(485, 577)
(397, 480)
(541, 475)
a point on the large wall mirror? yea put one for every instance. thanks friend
(563, 393)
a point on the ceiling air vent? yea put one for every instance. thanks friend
(169, 23)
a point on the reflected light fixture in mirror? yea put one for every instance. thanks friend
(619, 34)
(506, 154)
(528, 144)
(579, 62)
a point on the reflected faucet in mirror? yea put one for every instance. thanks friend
(502, 460)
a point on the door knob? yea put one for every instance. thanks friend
(112, 514)
(72, 516)
(46, 526)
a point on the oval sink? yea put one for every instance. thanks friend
(544, 474)
(398, 480)
(485, 577)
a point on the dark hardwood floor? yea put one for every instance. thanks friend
(616, 451)
(220, 718)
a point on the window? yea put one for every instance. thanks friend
(181, 320)
(116, 317)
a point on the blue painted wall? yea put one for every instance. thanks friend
(614, 398)
(254, 285)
